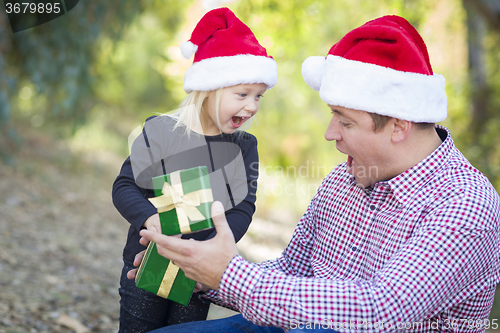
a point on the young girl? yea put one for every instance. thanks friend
(230, 72)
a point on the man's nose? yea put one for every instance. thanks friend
(332, 132)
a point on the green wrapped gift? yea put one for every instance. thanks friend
(183, 199)
(158, 275)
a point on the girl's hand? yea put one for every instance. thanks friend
(153, 223)
(200, 287)
(137, 261)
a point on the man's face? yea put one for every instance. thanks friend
(366, 149)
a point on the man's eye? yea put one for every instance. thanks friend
(344, 124)
(243, 95)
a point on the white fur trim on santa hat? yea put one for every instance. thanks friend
(188, 49)
(221, 72)
(312, 71)
(381, 90)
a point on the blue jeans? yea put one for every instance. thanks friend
(234, 324)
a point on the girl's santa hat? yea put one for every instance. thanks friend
(226, 53)
(381, 67)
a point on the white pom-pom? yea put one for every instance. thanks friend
(188, 49)
(312, 71)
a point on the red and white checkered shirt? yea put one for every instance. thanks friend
(418, 253)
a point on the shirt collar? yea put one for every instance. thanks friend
(402, 184)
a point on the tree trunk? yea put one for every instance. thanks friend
(488, 9)
(480, 92)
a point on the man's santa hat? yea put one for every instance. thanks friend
(381, 67)
(226, 53)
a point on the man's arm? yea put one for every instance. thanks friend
(445, 263)
(295, 259)
(452, 259)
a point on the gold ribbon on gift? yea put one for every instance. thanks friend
(143, 262)
(185, 204)
(168, 280)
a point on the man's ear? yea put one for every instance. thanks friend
(400, 129)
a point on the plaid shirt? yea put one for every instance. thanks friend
(418, 253)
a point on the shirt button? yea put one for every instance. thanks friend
(354, 248)
(372, 207)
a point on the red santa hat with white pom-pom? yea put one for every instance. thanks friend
(226, 53)
(381, 67)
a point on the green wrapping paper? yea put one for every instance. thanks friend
(183, 199)
(158, 275)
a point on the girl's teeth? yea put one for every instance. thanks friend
(237, 120)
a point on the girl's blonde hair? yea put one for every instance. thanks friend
(193, 111)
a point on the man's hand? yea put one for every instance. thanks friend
(153, 223)
(138, 258)
(202, 261)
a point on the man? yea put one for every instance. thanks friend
(404, 236)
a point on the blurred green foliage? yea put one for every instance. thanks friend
(480, 143)
(53, 75)
(53, 61)
(110, 64)
(113, 63)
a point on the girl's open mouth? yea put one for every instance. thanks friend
(238, 121)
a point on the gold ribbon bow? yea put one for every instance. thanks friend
(184, 204)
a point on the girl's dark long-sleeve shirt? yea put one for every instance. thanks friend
(231, 159)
